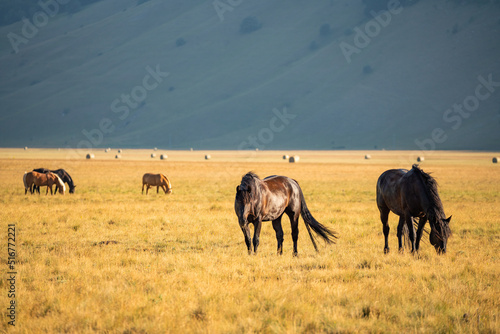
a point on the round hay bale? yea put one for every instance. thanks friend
(25, 148)
(294, 158)
(191, 149)
(153, 155)
(118, 156)
(207, 157)
(90, 156)
(286, 157)
(156, 148)
(495, 160)
(163, 157)
(420, 159)
(119, 151)
(367, 156)
(107, 150)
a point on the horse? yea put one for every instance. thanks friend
(156, 180)
(42, 179)
(65, 177)
(412, 194)
(267, 200)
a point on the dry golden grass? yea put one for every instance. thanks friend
(180, 265)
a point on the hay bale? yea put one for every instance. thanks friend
(25, 148)
(420, 159)
(118, 156)
(207, 157)
(163, 157)
(90, 156)
(294, 158)
(156, 148)
(153, 155)
(367, 156)
(286, 157)
(495, 160)
(107, 150)
(119, 151)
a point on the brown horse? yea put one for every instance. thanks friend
(43, 179)
(156, 180)
(412, 194)
(267, 200)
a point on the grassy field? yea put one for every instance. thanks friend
(108, 259)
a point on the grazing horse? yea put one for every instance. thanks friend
(267, 200)
(65, 177)
(43, 179)
(412, 194)
(156, 180)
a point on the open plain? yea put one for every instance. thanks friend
(108, 259)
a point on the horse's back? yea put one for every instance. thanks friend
(389, 190)
(151, 179)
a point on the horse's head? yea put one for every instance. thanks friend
(168, 189)
(60, 184)
(72, 189)
(245, 198)
(440, 232)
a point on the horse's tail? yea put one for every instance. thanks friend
(311, 223)
(25, 182)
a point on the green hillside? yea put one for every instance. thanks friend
(101, 72)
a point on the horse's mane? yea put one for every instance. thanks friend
(61, 181)
(249, 184)
(431, 188)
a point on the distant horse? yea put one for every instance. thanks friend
(156, 180)
(65, 177)
(267, 200)
(43, 179)
(411, 194)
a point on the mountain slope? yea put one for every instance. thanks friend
(79, 75)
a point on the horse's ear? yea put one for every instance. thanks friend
(237, 188)
(448, 219)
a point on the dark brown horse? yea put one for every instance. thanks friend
(42, 179)
(267, 200)
(65, 177)
(412, 194)
(156, 180)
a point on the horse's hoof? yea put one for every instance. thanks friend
(386, 250)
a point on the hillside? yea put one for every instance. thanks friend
(287, 85)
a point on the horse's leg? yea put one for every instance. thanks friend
(420, 230)
(294, 222)
(256, 233)
(248, 240)
(411, 230)
(384, 217)
(147, 188)
(401, 224)
(279, 234)
(143, 188)
(157, 188)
